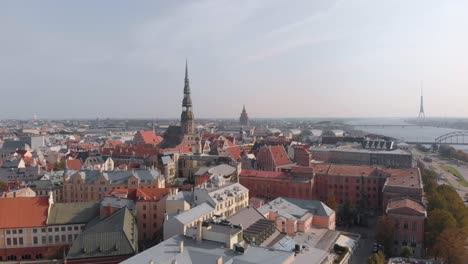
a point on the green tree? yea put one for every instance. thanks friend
(385, 232)
(406, 252)
(438, 220)
(376, 258)
(59, 166)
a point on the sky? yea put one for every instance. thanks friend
(308, 58)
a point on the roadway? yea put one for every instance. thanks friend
(446, 177)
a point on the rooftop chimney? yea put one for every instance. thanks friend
(181, 246)
(219, 260)
(199, 230)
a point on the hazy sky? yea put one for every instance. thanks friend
(310, 58)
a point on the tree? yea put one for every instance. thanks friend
(346, 212)
(3, 185)
(450, 246)
(406, 252)
(376, 258)
(331, 200)
(438, 220)
(59, 166)
(385, 232)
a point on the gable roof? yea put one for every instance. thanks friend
(115, 235)
(279, 155)
(72, 213)
(23, 212)
(149, 137)
(403, 204)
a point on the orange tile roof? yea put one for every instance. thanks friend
(279, 155)
(23, 212)
(154, 194)
(234, 152)
(150, 137)
(74, 164)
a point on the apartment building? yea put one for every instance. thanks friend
(93, 185)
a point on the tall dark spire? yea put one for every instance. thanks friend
(244, 118)
(187, 118)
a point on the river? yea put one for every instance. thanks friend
(403, 133)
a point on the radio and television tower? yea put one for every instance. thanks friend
(421, 109)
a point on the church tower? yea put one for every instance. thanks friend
(244, 119)
(187, 119)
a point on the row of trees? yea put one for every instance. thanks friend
(447, 223)
(450, 152)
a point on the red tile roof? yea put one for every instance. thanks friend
(23, 212)
(153, 194)
(351, 170)
(264, 174)
(149, 137)
(74, 164)
(406, 203)
(280, 157)
(234, 152)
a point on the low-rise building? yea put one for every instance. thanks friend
(408, 215)
(295, 215)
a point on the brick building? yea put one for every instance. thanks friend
(408, 215)
(273, 158)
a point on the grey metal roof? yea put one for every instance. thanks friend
(117, 177)
(196, 252)
(11, 145)
(166, 160)
(115, 235)
(194, 213)
(117, 202)
(72, 213)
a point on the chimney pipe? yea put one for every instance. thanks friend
(199, 230)
(181, 246)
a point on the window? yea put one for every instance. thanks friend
(144, 206)
(8, 232)
(154, 216)
(8, 241)
(405, 225)
(14, 231)
(64, 238)
(15, 241)
(34, 230)
(43, 240)
(57, 238)
(49, 229)
(21, 241)
(82, 228)
(75, 228)
(144, 225)
(144, 216)
(56, 229)
(35, 240)
(51, 239)
(415, 225)
(70, 238)
(69, 228)
(63, 228)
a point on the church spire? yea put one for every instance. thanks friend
(187, 117)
